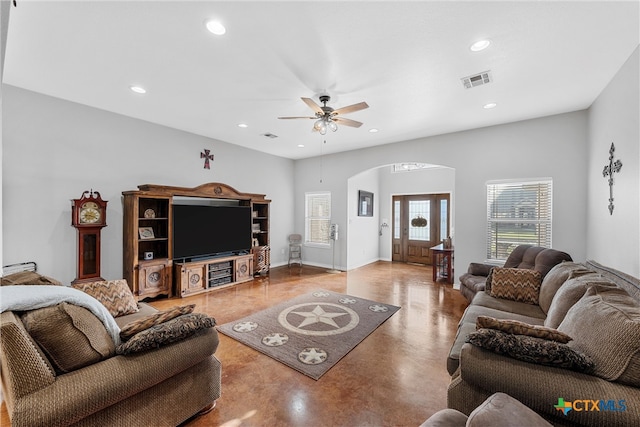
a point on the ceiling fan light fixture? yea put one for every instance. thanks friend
(332, 125)
(319, 125)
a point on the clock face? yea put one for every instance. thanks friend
(89, 213)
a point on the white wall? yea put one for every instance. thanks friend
(5, 10)
(362, 231)
(554, 146)
(614, 239)
(54, 150)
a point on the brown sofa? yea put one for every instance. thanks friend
(524, 256)
(162, 387)
(599, 308)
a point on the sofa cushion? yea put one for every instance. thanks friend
(559, 274)
(531, 349)
(27, 278)
(132, 328)
(483, 299)
(71, 336)
(166, 333)
(473, 311)
(605, 325)
(520, 328)
(570, 293)
(115, 295)
(515, 284)
(502, 410)
(477, 269)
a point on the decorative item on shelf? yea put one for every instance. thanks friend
(148, 255)
(255, 228)
(446, 243)
(146, 233)
(419, 221)
(365, 203)
(149, 213)
(609, 170)
(254, 214)
(206, 156)
(255, 242)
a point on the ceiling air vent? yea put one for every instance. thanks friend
(270, 135)
(476, 80)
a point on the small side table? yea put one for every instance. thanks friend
(442, 261)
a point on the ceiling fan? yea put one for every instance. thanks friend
(327, 117)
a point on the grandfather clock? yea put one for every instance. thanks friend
(88, 216)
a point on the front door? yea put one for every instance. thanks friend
(419, 223)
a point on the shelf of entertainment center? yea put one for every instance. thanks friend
(195, 277)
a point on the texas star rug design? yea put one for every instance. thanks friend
(312, 332)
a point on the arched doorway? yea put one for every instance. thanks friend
(369, 239)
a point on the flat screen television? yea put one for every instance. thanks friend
(209, 231)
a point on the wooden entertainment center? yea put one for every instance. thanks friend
(148, 264)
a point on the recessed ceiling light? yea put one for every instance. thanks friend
(138, 89)
(243, 125)
(373, 130)
(489, 105)
(300, 145)
(480, 45)
(215, 27)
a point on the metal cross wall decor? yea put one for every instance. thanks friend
(206, 156)
(609, 170)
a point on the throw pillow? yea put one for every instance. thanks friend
(132, 328)
(520, 328)
(605, 325)
(71, 336)
(27, 278)
(555, 278)
(165, 333)
(531, 349)
(487, 283)
(115, 295)
(516, 284)
(569, 294)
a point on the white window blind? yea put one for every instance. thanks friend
(317, 218)
(518, 213)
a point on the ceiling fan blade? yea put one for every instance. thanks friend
(351, 108)
(312, 104)
(297, 117)
(347, 122)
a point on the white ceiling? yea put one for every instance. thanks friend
(405, 59)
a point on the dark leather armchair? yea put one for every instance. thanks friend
(523, 256)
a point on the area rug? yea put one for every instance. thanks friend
(312, 332)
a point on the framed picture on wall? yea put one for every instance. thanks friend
(365, 203)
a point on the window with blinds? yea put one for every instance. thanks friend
(518, 213)
(317, 218)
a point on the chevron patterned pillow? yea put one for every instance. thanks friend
(517, 284)
(115, 295)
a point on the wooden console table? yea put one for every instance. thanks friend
(442, 262)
